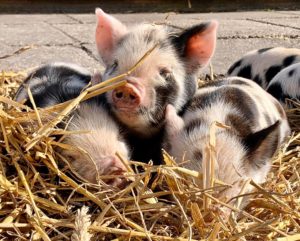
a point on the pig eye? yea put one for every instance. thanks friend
(164, 72)
(114, 66)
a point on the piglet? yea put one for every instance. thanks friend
(263, 64)
(94, 152)
(258, 125)
(167, 76)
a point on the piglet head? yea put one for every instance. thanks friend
(166, 76)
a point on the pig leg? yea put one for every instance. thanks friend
(174, 123)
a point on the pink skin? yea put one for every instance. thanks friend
(129, 97)
(111, 165)
(174, 122)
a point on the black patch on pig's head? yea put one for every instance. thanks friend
(260, 51)
(230, 95)
(164, 95)
(51, 84)
(239, 124)
(54, 93)
(246, 72)
(192, 125)
(234, 66)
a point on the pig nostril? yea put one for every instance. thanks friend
(119, 95)
(132, 97)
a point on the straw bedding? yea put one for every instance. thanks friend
(42, 198)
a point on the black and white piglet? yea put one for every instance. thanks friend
(167, 76)
(94, 152)
(258, 126)
(263, 64)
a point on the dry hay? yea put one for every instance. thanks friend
(41, 198)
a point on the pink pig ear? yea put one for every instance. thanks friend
(108, 32)
(197, 44)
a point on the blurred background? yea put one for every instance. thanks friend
(115, 6)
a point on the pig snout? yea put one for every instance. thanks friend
(127, 97)
(113, 166)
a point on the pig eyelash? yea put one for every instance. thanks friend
(112, 68)
(164, 72)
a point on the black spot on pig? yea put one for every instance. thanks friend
(234, 66)
(289, 60)
(197, 155)
(230, 95)
(263, 50)
(291, 72)
(246, 72)
(271, 72)
(164, 95)
(239, 124)
(276, 90)
(257, 80)
(192, 125)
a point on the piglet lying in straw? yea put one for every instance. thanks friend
(167, 76)
(258, 125)
(93, 153)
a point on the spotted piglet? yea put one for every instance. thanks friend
(258, 126)
(93, 152)
(267, 67)
(263, 64)
(286, 84)
(167, 76)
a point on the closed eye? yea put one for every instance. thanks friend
(112, 68)
(164, 72)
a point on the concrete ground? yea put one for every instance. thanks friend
(70, 37)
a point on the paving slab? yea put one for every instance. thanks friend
(31, 34)
(46, 54)
(294, 23)
(70, 37)
(84, 33)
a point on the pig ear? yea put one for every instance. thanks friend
(263, 144)
(108, 32)
(196, 45)
(174, 123)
